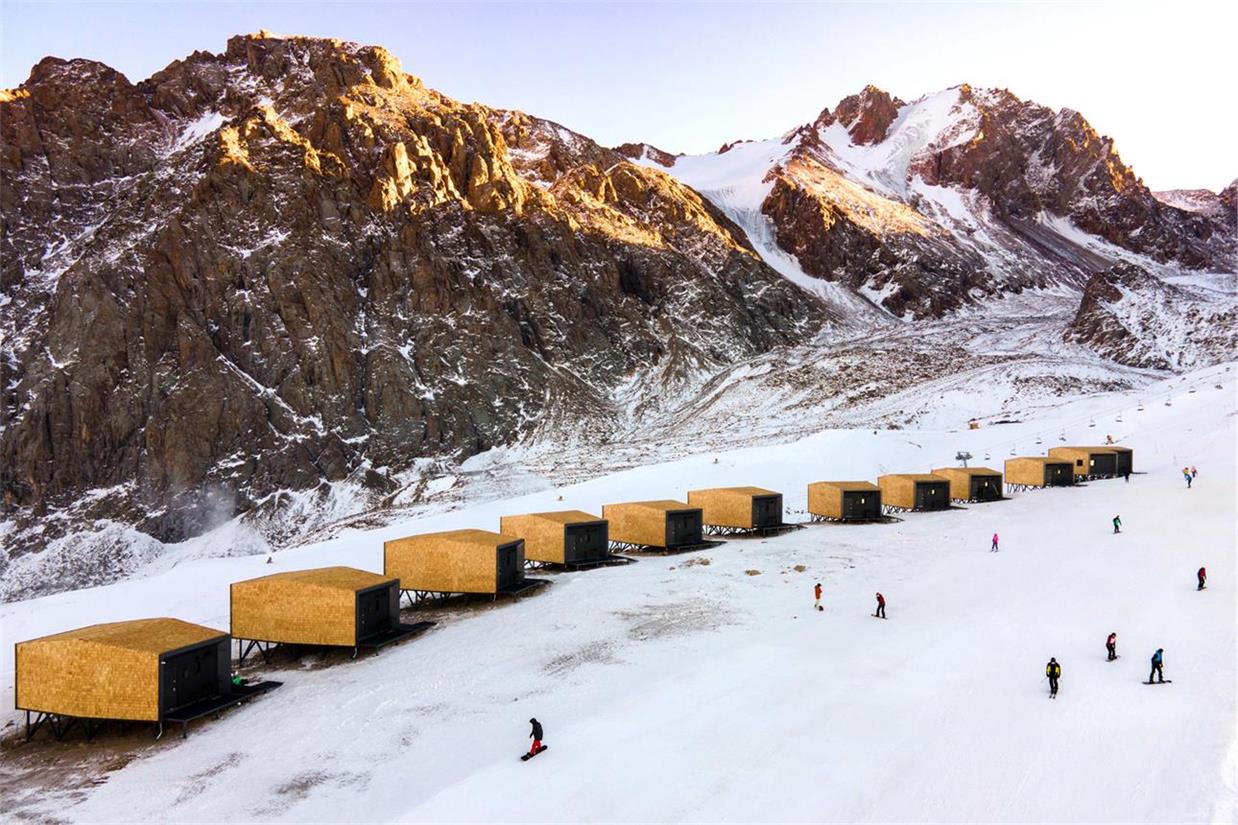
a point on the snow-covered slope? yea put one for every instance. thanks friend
(702, 686)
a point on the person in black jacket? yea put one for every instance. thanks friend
(1054, 671)
(536, 736)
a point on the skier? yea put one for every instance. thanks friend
(536, 736)
(1186, 474)
(816, 592)
(1202, 575)
(1111, 645)
(1127, 476)
(1158, 662)
(1054, 671)
(993, 549)
(881, 606)
(1117, 524)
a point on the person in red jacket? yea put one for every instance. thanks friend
(1111, 645)
(1202, 575)
(816, 592)
(881, 606)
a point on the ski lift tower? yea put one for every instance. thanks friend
(962, 456)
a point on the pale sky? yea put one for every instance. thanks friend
(687, 77)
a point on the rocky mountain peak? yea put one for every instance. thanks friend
(866, 116)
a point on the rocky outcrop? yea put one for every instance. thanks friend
(1137, 319)
(291, 264)
(866, 117)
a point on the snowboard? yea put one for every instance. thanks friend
(1166, 682)
(875, 616)
(529, 756)
(1115, 658)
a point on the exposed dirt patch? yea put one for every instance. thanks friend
(678, 619)
(594, 652)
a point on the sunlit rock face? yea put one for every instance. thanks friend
(291, 263)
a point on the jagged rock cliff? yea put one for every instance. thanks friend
(292, 263)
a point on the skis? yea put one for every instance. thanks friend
(529, 756)
(1166, 682)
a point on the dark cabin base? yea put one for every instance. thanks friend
(750, 532)
(662, 551)
(608, 560)
(815, 519)
(419, 599)
(60, 726)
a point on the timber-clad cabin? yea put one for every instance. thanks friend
(567, 538)
(661, 524)
(844, 500)
(325, 606)
(146, 670)
(738, 509)
(914, 491)
(458, 561)
(1089, 462)
(972, 483)
(1025, 472)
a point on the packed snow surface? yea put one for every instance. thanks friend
(702, 686)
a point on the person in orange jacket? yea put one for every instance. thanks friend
(816, 592)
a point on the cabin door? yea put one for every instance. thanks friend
(373, 612)
(984, 488)
(683, 528)
(189, 677)
(584, 542)
(509, 572)
(766, 511)
(930, 496)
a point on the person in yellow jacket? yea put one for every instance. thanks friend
(1054, 671)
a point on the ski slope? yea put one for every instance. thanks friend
(675, 690)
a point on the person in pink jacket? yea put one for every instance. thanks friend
(993, 549)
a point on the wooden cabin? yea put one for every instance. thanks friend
(1089, 462)
(562, 537)
(914, 491)
(844, 500)
(142, 671)
(1039, 471)
(738, 508)
(456, 561)
(972, 483)
(660, 524)
(328, 606)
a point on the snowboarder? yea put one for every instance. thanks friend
(1117, 524)
(1186, 474)
(993, 549)
(816, 592)
(1158, 662)
(536, 736)
(1111, 645)
(1194, 472)
(881, 606)
(1054, 671)
(1127, 476)
(1202, 575)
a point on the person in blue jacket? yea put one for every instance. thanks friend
(1158, 662)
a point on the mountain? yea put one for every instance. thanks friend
(291, 264)
(289, 289)
(965, 194)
